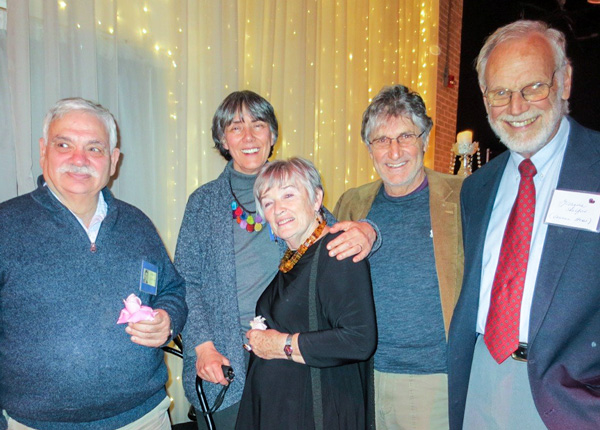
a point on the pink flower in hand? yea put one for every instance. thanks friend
(258, 323)
(134, 311)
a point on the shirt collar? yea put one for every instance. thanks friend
(99, 215)
(101, 210)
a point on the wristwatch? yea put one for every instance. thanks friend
(287, 349)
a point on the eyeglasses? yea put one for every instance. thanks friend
(532, 93)
(404, 139)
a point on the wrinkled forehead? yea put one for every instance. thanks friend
(80, 122)
(519, 62)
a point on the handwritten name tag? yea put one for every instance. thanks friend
(575, 209)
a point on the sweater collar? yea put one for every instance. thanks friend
(43, 195)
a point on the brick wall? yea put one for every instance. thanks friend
(447, 98)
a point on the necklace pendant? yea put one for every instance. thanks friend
(247, 220)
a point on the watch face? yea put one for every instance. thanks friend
(288, 350)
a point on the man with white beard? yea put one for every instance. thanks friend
(524, 340)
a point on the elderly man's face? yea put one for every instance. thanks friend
(525, 127)
(399, 166)
(77, 161)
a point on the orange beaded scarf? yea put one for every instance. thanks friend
(290, 258)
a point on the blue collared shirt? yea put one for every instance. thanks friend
(547, 162)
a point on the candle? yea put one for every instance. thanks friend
(464, 137)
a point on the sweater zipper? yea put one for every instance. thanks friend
(93, 247)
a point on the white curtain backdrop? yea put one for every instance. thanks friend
(8, 172)
(163, 66)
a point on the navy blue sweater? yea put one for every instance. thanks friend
(64, 362)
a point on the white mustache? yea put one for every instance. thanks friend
(532, 112)
(82, 170)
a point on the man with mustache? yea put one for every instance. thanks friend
(524, 339)
(70, 252)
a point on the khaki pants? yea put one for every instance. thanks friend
(415, 402)
(156, 419)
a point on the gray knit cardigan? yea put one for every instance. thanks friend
(205, 258)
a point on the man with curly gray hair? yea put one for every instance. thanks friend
(417, 272)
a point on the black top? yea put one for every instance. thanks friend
(278, 393)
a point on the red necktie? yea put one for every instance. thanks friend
(502, 325)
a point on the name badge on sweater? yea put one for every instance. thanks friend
(575, 209)
(149, 278)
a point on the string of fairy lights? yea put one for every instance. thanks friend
(318, 62)
(373, 44)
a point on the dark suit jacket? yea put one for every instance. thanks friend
(564, 329)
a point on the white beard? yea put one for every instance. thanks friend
(550, 121)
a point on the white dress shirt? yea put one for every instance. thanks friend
(547, 162)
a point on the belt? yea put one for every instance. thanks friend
(520, 353)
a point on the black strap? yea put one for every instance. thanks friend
(313, 325)
(206, 410)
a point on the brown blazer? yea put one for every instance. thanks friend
(444, 204)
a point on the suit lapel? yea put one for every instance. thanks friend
(579, 172)
(444, 216)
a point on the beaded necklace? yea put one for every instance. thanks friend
(247, 220)
(290, 258)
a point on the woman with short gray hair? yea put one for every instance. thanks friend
(308, 367)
